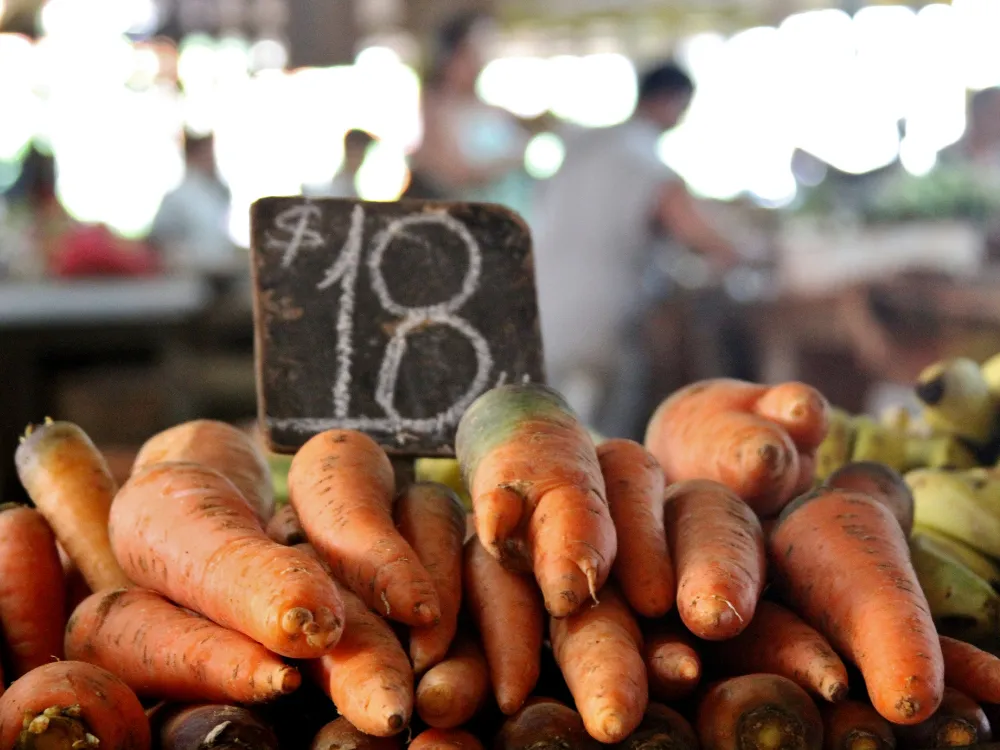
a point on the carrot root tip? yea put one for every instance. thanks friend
(688, 668)
(835, 692)
(395, 721)
(385, 602)
(613, 726)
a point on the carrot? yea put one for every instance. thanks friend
(342, 735)
(173, 653)
(68, 480)
(958, 722)
(68, 704)
(367, 674)
(672, 663)
(183, 531)
(758, 712)
(635, 485)
(341, 485)
(748, 437)
(220, 446)
(971, 670)
(205, 725)
(454, 690)
(431, 519)
(32, 589)
(599, 651)
(880, 482)
(284, 527)
(76, 585)
(778, 642)
(445, 739)
(662, 728)
(537, 491)
(718, 549)
(509, 614)
(851, 725)
(544, 725)
(844, 561)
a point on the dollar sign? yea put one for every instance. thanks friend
(296, 222)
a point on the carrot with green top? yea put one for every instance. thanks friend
(971, 670)
(672, 662)
(537, 491)
(852, 725)
(453, 690)
(341, 485)
(184, 531)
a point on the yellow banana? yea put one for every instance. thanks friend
(990, 370)
(443, 471)
(873, 442)
(938, 452)
(958, 550)
(957, 400)
(835, 450)
(964, 505)
(895, 418)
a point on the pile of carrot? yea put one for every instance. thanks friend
(698, 591)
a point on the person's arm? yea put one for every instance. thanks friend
(678, 212)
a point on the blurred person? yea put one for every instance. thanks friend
(600, 219)
(343, 185)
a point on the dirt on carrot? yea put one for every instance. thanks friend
(453, 691)
(445, 739)
(852, 725)
(284, 527)
(662, 728)
(340, 734)
(971, 670)
(544, 725)
(203, 726)
(958, 722)
(673, 665)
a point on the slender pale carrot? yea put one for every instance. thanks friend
(971, 670)
(599, 651)
(340, 734)
(220, 446)
(367, 674)
(662, 728)
(718, 549)
(537, 491)
(958, 722)
(68, 704)
(445, 739)
(544, 725)
(284, 527)
(635, 485)
(508, 611)
(76, 585)
(843, 559)
(453, 691)
(204, 726)
(341, 485)
(68, 480)
(672, 663)
(777, 641)
(431, 518)
(184, 531)
(32, 589)
(880, 482)
(852, 725)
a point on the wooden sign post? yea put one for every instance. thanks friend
(388, 318)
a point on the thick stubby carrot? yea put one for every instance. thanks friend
(852, 725)
(971, 670)
(544, 725)
(341, 485)
(163, 651)
(32, 589)
(672, 663)
(958, 722)
(879, 482)
(220, 446)
(367, 675)
(843, 560)
(203, 726)
(777, 641)
(599, 651)
(340, 734)
(758, 712)
(537, 491)
(184, 531)
(662, 728)
(284, 527)
(430, 517)
(68, 480)
(748, 437)
(445, 739)
(509, 613)
(454, 690)
(69, 704)
(718, 549)
(635, 485)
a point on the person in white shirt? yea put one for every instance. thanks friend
(596, 224)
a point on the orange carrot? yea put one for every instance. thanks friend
(879, 482)
(76, 585)
(454, 690)
(367, 674)
(851, 725)
(184, 531)
(544, 725)
(341, 485)
(68, 480)
(173, 653)
(509, 614)
(844, 561)
(445, 739)
(662, 728)
(68, 704)
(778, 642)
(635, 485)
(758, 712)
(220, 446)
(599, 650)
(342, 735)
(971, 670)
(718, 549)
(958, 722)
(32, 589)
(431, 519)
(748, 437)
(537, 491)
(284, 527)
(205, 725)
(672, 663)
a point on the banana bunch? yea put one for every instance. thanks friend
(961, 398)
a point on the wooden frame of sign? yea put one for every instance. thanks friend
(389, 318)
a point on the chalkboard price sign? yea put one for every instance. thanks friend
(389, 318)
